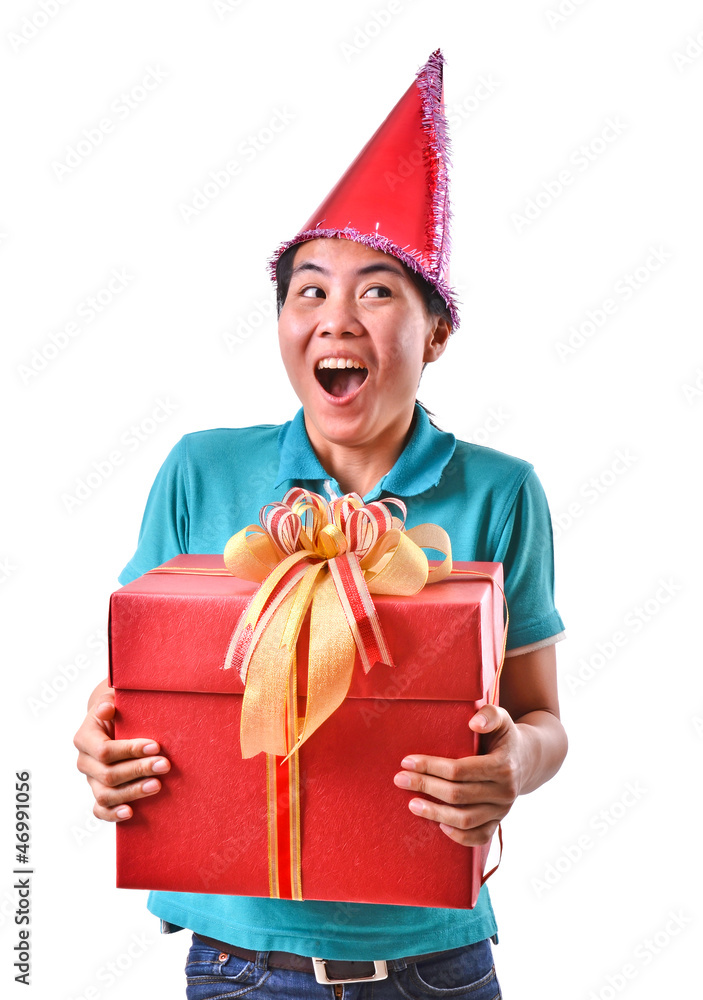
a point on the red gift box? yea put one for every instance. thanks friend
(210, 828)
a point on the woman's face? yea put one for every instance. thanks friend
(354, 335)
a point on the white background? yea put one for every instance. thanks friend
(612, 427)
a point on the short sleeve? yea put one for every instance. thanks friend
(526, 549)
(164, 530)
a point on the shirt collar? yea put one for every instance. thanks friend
(419, 466)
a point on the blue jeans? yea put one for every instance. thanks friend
(461, 972)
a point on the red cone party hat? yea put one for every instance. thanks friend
(394, 196)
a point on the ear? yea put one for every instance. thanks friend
(437, 339)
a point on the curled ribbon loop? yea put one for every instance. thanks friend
(326, 558)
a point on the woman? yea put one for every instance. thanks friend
(356, 327)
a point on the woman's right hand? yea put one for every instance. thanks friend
(118, 771)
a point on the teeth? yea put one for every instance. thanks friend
(338, 363)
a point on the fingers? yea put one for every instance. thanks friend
(102, 709)
(464, 818)
(96, 728)
(111, 803)
(106, 701)
(93, 740)
(112, 769)
(107, 752)
(467, 769)
(116, 784)
(473, 793)
(477, 837)
(471, 826)
(118, 771)
(460, 793)
(489, 718)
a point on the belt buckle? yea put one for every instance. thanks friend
(319, 966)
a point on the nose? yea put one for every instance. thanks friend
(339, 318)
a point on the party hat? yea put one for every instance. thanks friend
(394, 196)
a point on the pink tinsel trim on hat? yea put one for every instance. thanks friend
(411, 258)
(429, 82)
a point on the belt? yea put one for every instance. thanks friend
(326, 971)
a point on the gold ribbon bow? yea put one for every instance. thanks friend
(329, 557)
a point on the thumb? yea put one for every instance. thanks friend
(104, 715)
(104, 710)
(487, 719)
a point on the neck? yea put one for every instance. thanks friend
(357, 468)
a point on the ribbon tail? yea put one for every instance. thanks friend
(257, 614)
(292, 764)
(263, 721)
(283, 808)
(283, 817)
(330, 660)
(359, 611)
(267, 691)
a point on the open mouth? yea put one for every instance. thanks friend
(340, 382)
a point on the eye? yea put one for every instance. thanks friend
(312, 292)
(377, 292)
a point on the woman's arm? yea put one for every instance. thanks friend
(523, 744)
(528, 692)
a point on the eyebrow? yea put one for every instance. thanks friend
(369, 269)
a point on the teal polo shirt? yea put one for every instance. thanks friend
(212, 484)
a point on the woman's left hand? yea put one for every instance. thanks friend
(478, 791)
